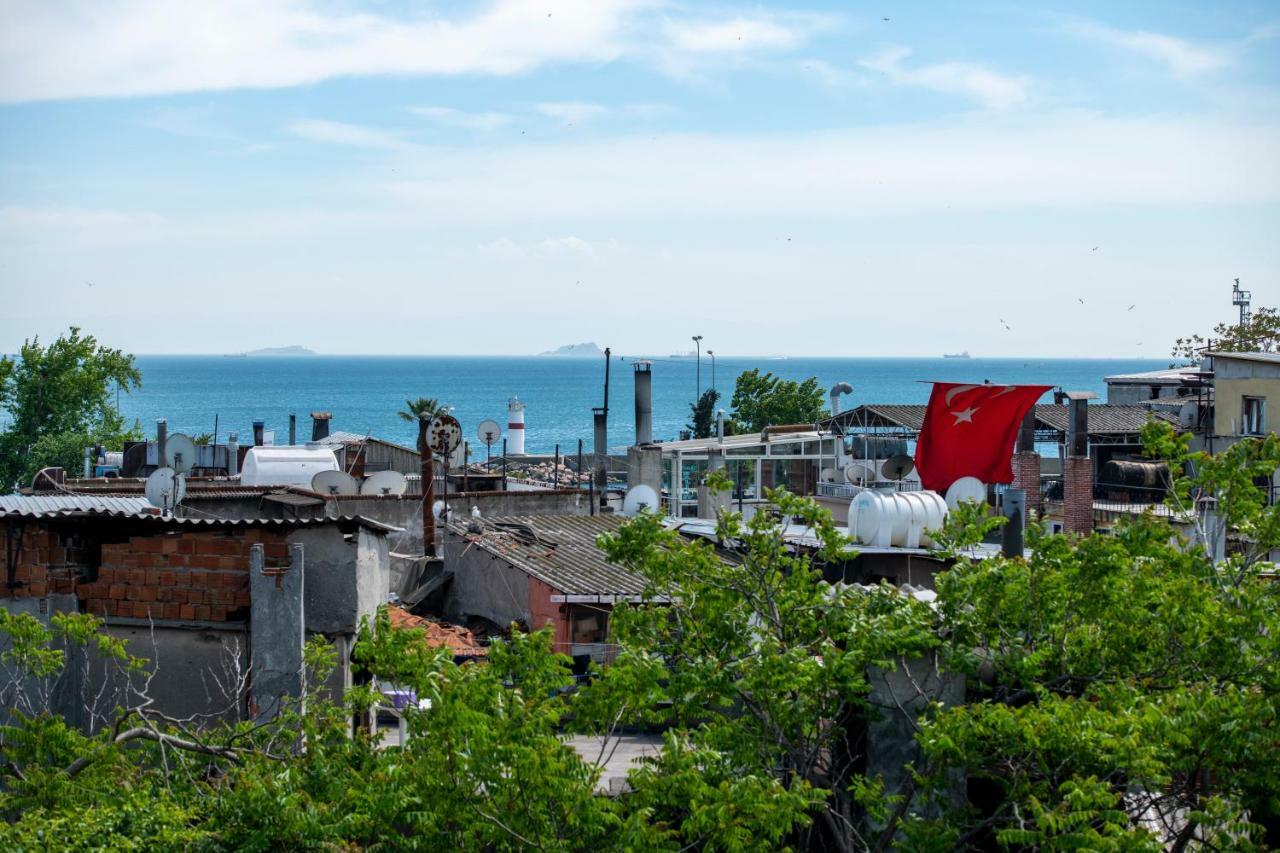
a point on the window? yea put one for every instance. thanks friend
(1253, 416)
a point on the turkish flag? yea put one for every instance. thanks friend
(969, 431)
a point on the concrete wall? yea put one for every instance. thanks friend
(1229, 397)
(346, 579)
(485, 586)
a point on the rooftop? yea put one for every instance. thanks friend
(1265, 357)
(1168, 376)
(1104, 419)
(439, 634)
(560, 551)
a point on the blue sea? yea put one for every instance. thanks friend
(364, 393)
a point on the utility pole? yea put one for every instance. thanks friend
(602, 440)
(713, 368)
(428, 491)
(697, 391)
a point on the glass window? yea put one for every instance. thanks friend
(1253, 416)
(753, 450)
(790, 448)
(743, 474)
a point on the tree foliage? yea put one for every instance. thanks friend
(703, 414)
(1121, 693)
(1260, 333)
(421, 411)
(760, 400)
(58, 400)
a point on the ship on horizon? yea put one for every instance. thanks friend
(964, 354)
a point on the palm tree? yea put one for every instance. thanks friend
(422, 410)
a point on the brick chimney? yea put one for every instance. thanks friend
(1077, 467)
(1026, 463)
(320, 425)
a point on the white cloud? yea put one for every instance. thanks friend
(571, 112)
(994, 90)
(129, 48)
(1184, 58)
(341, 133)
(89, 48)
(451, 117)
(1068, 161)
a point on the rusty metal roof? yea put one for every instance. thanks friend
(559, 550)
(1104, 419)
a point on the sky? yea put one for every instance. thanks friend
(810, 178)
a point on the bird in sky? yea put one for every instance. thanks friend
(1131, 307)
(1078, 299)
(1094, 249)
(88, 284)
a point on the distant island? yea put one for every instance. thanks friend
(291, 350)
(589, 348)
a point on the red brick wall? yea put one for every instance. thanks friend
(1077, 494)
(543, 612)
(1026, 475)
(192, 576)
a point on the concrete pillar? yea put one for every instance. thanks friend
(644, 401)
(644, 467)
(1015, 511)
(276, 631)
(710, 503)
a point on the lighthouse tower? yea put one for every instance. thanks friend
(515, 427)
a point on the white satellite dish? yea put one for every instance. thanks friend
(180, 452)
(490, 432)
(334, 483)
(385, 483)
(966, 489)
(828, 475)
(165, 488)
(640, 498)
(859, 474)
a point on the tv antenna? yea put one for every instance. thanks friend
(180, 453)
(165, 488)
(385, 483)
(1240, 299)
(490, 432)
(334, 483)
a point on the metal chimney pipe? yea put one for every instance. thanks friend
(162, 440)
(293, 429)
(257, 432)
(1015, 510)
(644, 401)
(835, 392)
(233, 454)
(320, 425)
(720, 425)
(601, 452)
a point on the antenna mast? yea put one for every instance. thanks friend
(1240, 299)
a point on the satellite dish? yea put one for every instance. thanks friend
(165, 488)
(638, 499)
(898, 466)
(180, 452)
(966, 489)
(490, 432)
(334, 483)
(859, 474)
(385, 483)
(444, 435)
(828, 475)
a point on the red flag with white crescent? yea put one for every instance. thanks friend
(970, 430)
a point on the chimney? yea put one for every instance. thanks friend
(233, 454)
(644, 401)
(257, 432)
(162, 439)
(601, 452)
(835, 392)
(320, 425)
(1015, 510)
(293, 429)
(1026, 462)
(515, 427)
(1077, 467)
(720, 426)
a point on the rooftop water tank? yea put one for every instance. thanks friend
(285, 466)
(899, 519)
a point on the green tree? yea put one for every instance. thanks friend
(761, 400)
(421, 411)
(58, 400)
(1260, 333)
(703, 414)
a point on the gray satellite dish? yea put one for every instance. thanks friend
(444, 435)
(859, 475)
(165, 488)
(898, 466)
(490, 432)
(180, 452)
(640, 498)
(385, 483)
(334, 483)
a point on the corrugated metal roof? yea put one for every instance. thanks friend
(335, 439)
(32, 506)
(559, 550)
(1104, 419)
(1268, 357)
(140, 511)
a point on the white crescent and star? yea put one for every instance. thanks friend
(965, 416)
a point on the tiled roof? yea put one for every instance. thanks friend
(1104, 419)
(559, 550)
(439, 634)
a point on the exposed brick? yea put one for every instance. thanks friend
(187, 611)
(202, 612)
(195, 596)
(186, 545)
(242, 598)
(118, 591)
(169, 545)
(170, 610)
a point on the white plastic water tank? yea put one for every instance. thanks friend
(900, 519)
(285, 466)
